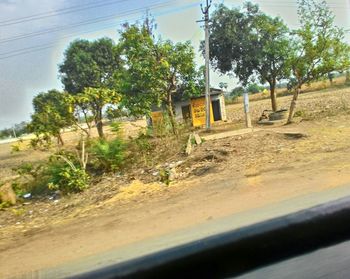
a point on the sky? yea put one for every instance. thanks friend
(35, 33)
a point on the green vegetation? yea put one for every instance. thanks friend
(140, 72)
(318, 47)
(108, 155)
(88, 72)
(157, 70)
(16, 131)
(249, 43)
(51, 114)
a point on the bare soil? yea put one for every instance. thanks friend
(220, 178)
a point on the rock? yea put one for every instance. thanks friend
(197, 139)
(178, 163)
(27, 196)
(7, 194)
(172, 174)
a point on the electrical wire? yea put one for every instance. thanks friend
(71, 9)
(82, 23)
(27, 50)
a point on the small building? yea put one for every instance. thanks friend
(193, 110)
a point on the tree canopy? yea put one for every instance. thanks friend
(156, 71)
(248, 44)
(51, 114)
(318, 45)
(88, 71)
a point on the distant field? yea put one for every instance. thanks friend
(315, 86)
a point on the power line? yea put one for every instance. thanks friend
(289, 4)
(48, 46)
(78, 24)
(71, 9)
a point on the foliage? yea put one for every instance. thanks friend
(93, 100)
(113, 112)
(108, 155)
(155, 71)
(249, 43)
(15, 148)
(223, 85)
(51, 114)
(66, 177)
(237, 91)
(42, 141)
(89, 64)
(62, 171)
(319, 46)
(254, 88)
(88, 72)
(16, 131)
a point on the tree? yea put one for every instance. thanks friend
(93, 101)
(254, 88)
(237, 91)
(155, 71)
(319, 47)
(90, 65)
(51, 114)
(249, 43)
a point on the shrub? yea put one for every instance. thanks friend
(61, 172)
(67, 178)
(108, 155)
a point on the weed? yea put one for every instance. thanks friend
(67, 178)
(15, 148)
(108, 155)
(300, 113)
(164, 176)
(18, 212)
(4, 205)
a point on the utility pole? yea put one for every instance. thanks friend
(205, 12)
(14, 132)
(248, 121)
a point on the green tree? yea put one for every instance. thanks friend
(319, 47)
(155, 71)
(254, 88)
(249, 43)
(94, 101)
(51, 114)
(237, 91)
(90, 67)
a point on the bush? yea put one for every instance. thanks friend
(254, 88)
(108, 155)
(62, 172)
(236, 92)
(66, 177)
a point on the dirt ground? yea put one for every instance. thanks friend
(219, 178)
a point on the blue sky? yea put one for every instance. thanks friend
(23, 76)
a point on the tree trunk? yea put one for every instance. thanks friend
(273, 95)
(293, 104)
(171, 113)
(60, 139)
(99, 124)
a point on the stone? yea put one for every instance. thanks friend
(7, 194)
(172, 174)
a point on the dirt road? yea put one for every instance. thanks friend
(241, 173)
